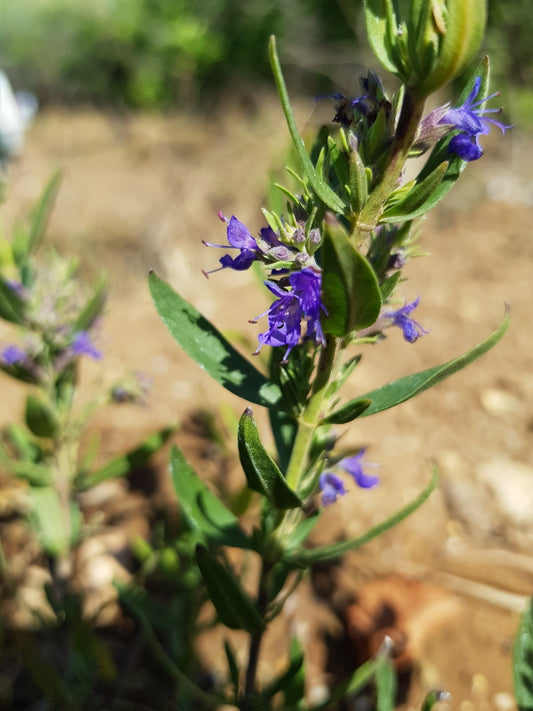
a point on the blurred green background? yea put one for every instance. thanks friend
(168, 53)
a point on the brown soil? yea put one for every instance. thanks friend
(140, 192)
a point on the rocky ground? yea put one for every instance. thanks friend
(141, 192)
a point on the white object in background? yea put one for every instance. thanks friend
(16, 114)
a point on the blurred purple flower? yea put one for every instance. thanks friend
(411, 329)
(354, 467)
(331, 487)
(472, 123)
(83, 345)
(13, 355)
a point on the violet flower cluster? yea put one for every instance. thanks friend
(332, 486)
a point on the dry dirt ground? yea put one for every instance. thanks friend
(141, 192)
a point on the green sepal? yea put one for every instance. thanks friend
(262, 472)
(358, 182)
(312, 176)
(234, 607)
(350, 289)
(203, 510)
(348, 412)
(208, 347)
(40, 418)
(420, 199)
(403, 389)
(12, 307)
(523, 661)
(126, 463)
(305, 558)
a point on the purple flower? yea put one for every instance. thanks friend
(13, 355)
(354, 467)
(331, 487)
(83, 345)
(239, 237)
(285, 315)
(471, 123)
(411, 329)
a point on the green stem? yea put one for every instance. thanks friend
(410, 115)
(256, 639)
(311, 415)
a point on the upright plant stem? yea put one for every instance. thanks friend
(256, 638)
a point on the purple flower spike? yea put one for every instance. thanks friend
(13, 355)
(239, 237)
(285, 315)
(354, 467)
(83, 345)
(472, 123)
(331, 487)
(411, 329)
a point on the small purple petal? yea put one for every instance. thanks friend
(331, 487)
(411, 329)
(354, 467)
(83, 345)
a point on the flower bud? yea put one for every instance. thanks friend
(430, 43)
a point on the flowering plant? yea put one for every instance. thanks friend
(334, 262)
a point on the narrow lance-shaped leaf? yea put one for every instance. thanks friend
(208, 347)
(203, 509)
(320, 187)
(262, 472)
(348, 412)
(234, 607)
(125, 463)
(419, 200)
(405, 388)
(12, 307)
(307, 557)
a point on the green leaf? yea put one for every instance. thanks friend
(381, 22)
(92, 308)
(40, 417)
(208, 347)
(262, 472)
(305, 558)
(523, 661)
(234, 607)
(57, 529)
(403, 389)
(233, 668)
(385, 685)
(12, 307)
(25, 242)
(350, 288)
(126, 463)
(320, 187)
(420, 199)
(291, 677)
(204, 511)
(433, 697)
(348, 412)
(294, 683)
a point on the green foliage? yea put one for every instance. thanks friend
(523, 661)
